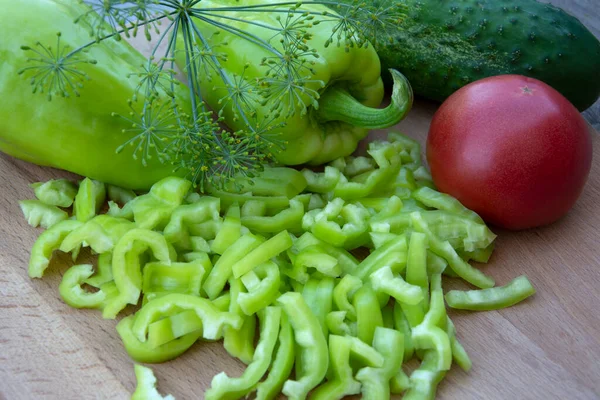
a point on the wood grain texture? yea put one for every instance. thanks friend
(546, 348)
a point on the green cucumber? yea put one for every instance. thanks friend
(442, 45)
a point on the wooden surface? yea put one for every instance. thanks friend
(546, 348)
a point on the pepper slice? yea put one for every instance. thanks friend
(383, 280)
(493, 298)
(239, 343)
(224, 387)
(120, 195)
(287, 219)
(100, 233)
(337, 324)
(89, 199)
(368, 313)
(46, 243)
(103, 271)
(262, 285)
(318, 294)
(263, 253)
(72, 293)
(271, 181)
(230, 231)
(40, 214)
(55, 192)
(316, 257)
(345, 260)
(282, 364)
(177, 231)
(146, 385)
(424, 379)
(343, 293)
(174, 277)
(321, 182)
(375, 381)
(313, 346)
(392, 253)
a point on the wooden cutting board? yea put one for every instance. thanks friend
(545, 348)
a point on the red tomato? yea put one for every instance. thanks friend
(512, 149)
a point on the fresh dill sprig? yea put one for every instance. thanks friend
(193, 140)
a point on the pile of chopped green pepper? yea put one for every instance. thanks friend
(283, 257)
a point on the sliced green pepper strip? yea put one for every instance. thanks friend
(459, 354)
(55, 192)
(173, 277)
(479, 255)
(343, 293)
(227, 199)
(146, 385)
(416, 264)
(368, 313)
(383, 280)
(316, 257)
(103, 271)
(144, 352)
(435, 264)
(358, 165)
(375, 381)
(378, 239)
(402, 324)
(207, 230)
(342, 382)
(387, 312)
(313, 346)
(213, 320)
(176, 231)
(262, 285)
(491, 299)
(239, 343)
(120, 195)
(399, 383)
(338, 325)
(71, 291)
(345, 260)
(40, 214)
(390, 251)
(222, 270)
(446, 251)
(153, 209)
(318, 294)
(424, 379)
(173, 327)
(271, 181)
(126, 267)
(254, 208)
(263, 253)
(224, 387)
(286, 219)
(441, 201)
(321, 182)
(89, 199)
(316, 201)
(282, 365)
(230, 231)
(46, 243)
(100, 233)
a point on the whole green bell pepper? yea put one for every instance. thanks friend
(79, 135)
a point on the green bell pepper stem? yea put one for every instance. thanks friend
(392, 251)
(176, 231)
(144, 352)
(347, 261)
(286, 219)
(126, 266)
(71, 291)
(153, 210)
(459, 354)
(174, 277)
(321, 182)
(224, 387)
(46, 243)
(446, 251)
(441, 201)
(120, 195)
(375, 381)
(316, 257)
(55, 192)
(368, 313)
(282, 365)
(338, 325)
(89, 199)
(343, 294)
(313, 346)
(173, 327)
(402, 324)
(383, 280)
(100, 233)
(239, 343)
(213, 320)
(146, 385)
(336, 104)
(103, 272)
(262, 285)
(271, 181)
(263, 253)
(230, 231)
(493, 298)
(424, 379)
(222, 270)
(318, 294)
(342, 382)
(38, 213)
